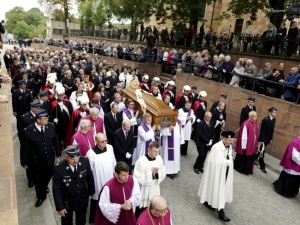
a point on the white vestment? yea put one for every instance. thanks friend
(143, 137)
(143, 173)
(172, 166)
(187, 125)
(73, 95)
(103, 167)
(215, 188)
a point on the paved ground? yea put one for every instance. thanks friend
(254, 202)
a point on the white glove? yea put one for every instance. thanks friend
(229, 162)
(128, 155)
(198, 120)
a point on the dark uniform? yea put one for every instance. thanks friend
(265, 136)
(21, 103)
(71, 190)
(245, 113)
(25, 121)
(43, 147)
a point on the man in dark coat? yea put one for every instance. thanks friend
(206, 132)
(266, 136)
(40, 140)
(123, 143)
(25, 121)
(73, 183)
(21, 99)
(246, 109)
(113, 121)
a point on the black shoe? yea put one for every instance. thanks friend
(222, 216)
(202, 171)
(39, 202)
(48, 191)
(208, 206)
(263, 170)
(172, 176)
(30, 184)
(196, 171)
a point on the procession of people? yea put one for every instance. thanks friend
(100, 149)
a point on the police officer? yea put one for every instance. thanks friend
(40, 141)
(25, 121)
(21, 102)
(46, 104)
(73, 183)
(266, 136)
(246, 109)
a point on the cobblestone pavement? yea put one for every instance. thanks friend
(254, 202)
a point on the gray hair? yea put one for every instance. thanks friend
(84, 123)
(94, 110)
(126, 122)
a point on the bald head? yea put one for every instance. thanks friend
(159, 205)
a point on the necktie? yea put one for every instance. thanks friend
(126, 135)
(208, 124)
(75, 170)
(42, 130)
(115, 118)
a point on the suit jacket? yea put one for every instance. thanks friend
(97, 82)
(245, 113)
(72, 190)
(21, 102)
(266, 130)
(111, 125)
(44, 148)
(205, 133)
(123, 145)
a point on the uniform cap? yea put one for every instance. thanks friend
(41, 113)
(251, 99)
(272, 109)
(72, 151)
(44, 94)
(224, 96)
(194, 88)
(21, 82)
(146, 77)
(36, 104)
(82, 100)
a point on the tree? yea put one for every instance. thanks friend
(23, 30)
(58, 14)
(35, 17)
(239, 8)
(12, 17)
(92, 14)
(65, 5)
(136, 11)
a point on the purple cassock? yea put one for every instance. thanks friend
(146, 218)
(117, 190)
(289, 179)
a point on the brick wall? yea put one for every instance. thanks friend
(287, 120)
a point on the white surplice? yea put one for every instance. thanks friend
(187, 125)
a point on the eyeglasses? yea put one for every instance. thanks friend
(164, 210)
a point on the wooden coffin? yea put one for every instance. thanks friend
(161, 113)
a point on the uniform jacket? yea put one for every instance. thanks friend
(44, 148)
(72, 190)
(245, 113)
(266, 130)
(21, 102)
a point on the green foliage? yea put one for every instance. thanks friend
(178, 11)
(239, 8)
(25, 24)
(92, 13)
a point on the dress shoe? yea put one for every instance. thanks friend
(263, 170)
(201, 170)
(196, 171)
(222, 216)
(208, 206)
(48, 191)
(30, 184)
(172, 176)
(39, 202)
